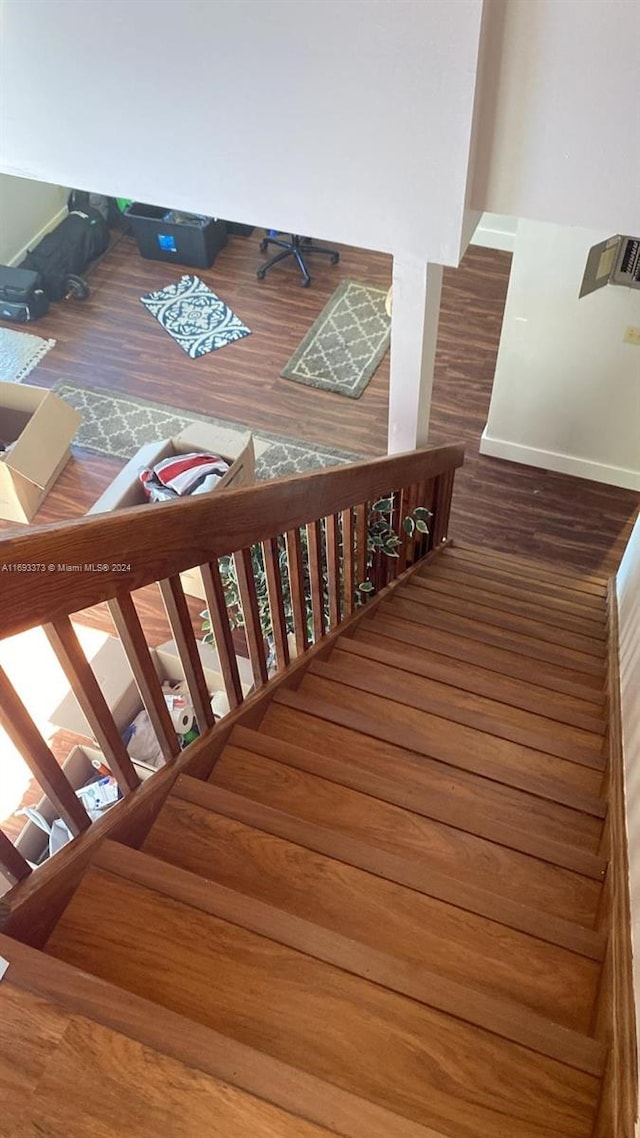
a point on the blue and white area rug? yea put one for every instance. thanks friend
(19, 354)
(199, 321)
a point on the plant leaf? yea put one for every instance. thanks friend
(409, 526)
(422, 526)
(383, 505)
(366, 587)
(423, 513)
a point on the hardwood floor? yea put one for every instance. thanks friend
(110, 341)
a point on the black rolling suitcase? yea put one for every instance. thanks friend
(22, 296)
(64, 254)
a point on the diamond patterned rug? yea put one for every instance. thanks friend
(19, 354)
(118, 425)
(344, 346)
(199, 321)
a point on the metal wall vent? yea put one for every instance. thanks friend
(614, 261)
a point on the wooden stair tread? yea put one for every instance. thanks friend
(387, 636)
(406, 871)
(383, 672)
(504, 1018)
(459, 945)
(555, 678)
(493, 633)
(585, 645)
(433, 778)
(168, 1034)
(315, 1016)
(592, 625)
(403, 787)
(111, 1085)
(478, 861)
(505, 583)
(530, 567)
(454, 743)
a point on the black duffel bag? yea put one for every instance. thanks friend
(22, 297)
(64, 254)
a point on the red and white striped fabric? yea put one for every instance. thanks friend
(183, 474)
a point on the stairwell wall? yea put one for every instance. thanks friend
(28, 210)
(628, 589)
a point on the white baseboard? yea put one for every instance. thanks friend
(561, 463)
(33, 241)
(495, 233)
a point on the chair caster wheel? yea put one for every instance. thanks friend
(264, 245)
(260, 274)
(335, 258)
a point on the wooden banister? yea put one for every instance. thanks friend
(214, 593)
(294, 552)
(65, 643)
(24, 734)
(251, 613)
(271, 557)
(12, 864)
(94, 559)
(129, 629)
(177, 612)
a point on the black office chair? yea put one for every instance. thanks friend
(297, 247)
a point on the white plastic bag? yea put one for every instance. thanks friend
(58, 831)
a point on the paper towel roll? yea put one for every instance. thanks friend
(182, 717)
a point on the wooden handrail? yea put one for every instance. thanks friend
(153, 544)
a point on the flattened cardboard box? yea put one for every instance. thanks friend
(40, 426)
(115, 678)
(237, 447)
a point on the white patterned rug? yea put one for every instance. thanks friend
(19, 354)
(199, 321)
(344, 346)
(118, 425)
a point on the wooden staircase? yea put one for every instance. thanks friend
(383, 911)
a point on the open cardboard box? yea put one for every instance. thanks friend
(32, 842)
(237, 447)
(115, 678)
(40, 426)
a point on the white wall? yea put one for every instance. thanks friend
(557, 136)
(27, 211)
(350, 121)
(628, 588)
(566, 393)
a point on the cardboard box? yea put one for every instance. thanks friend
(41, 427)
(237, 447)
(32, 842)
(118, 686)
(168, 667)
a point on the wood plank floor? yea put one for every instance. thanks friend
(110, 341)
(391, 881)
